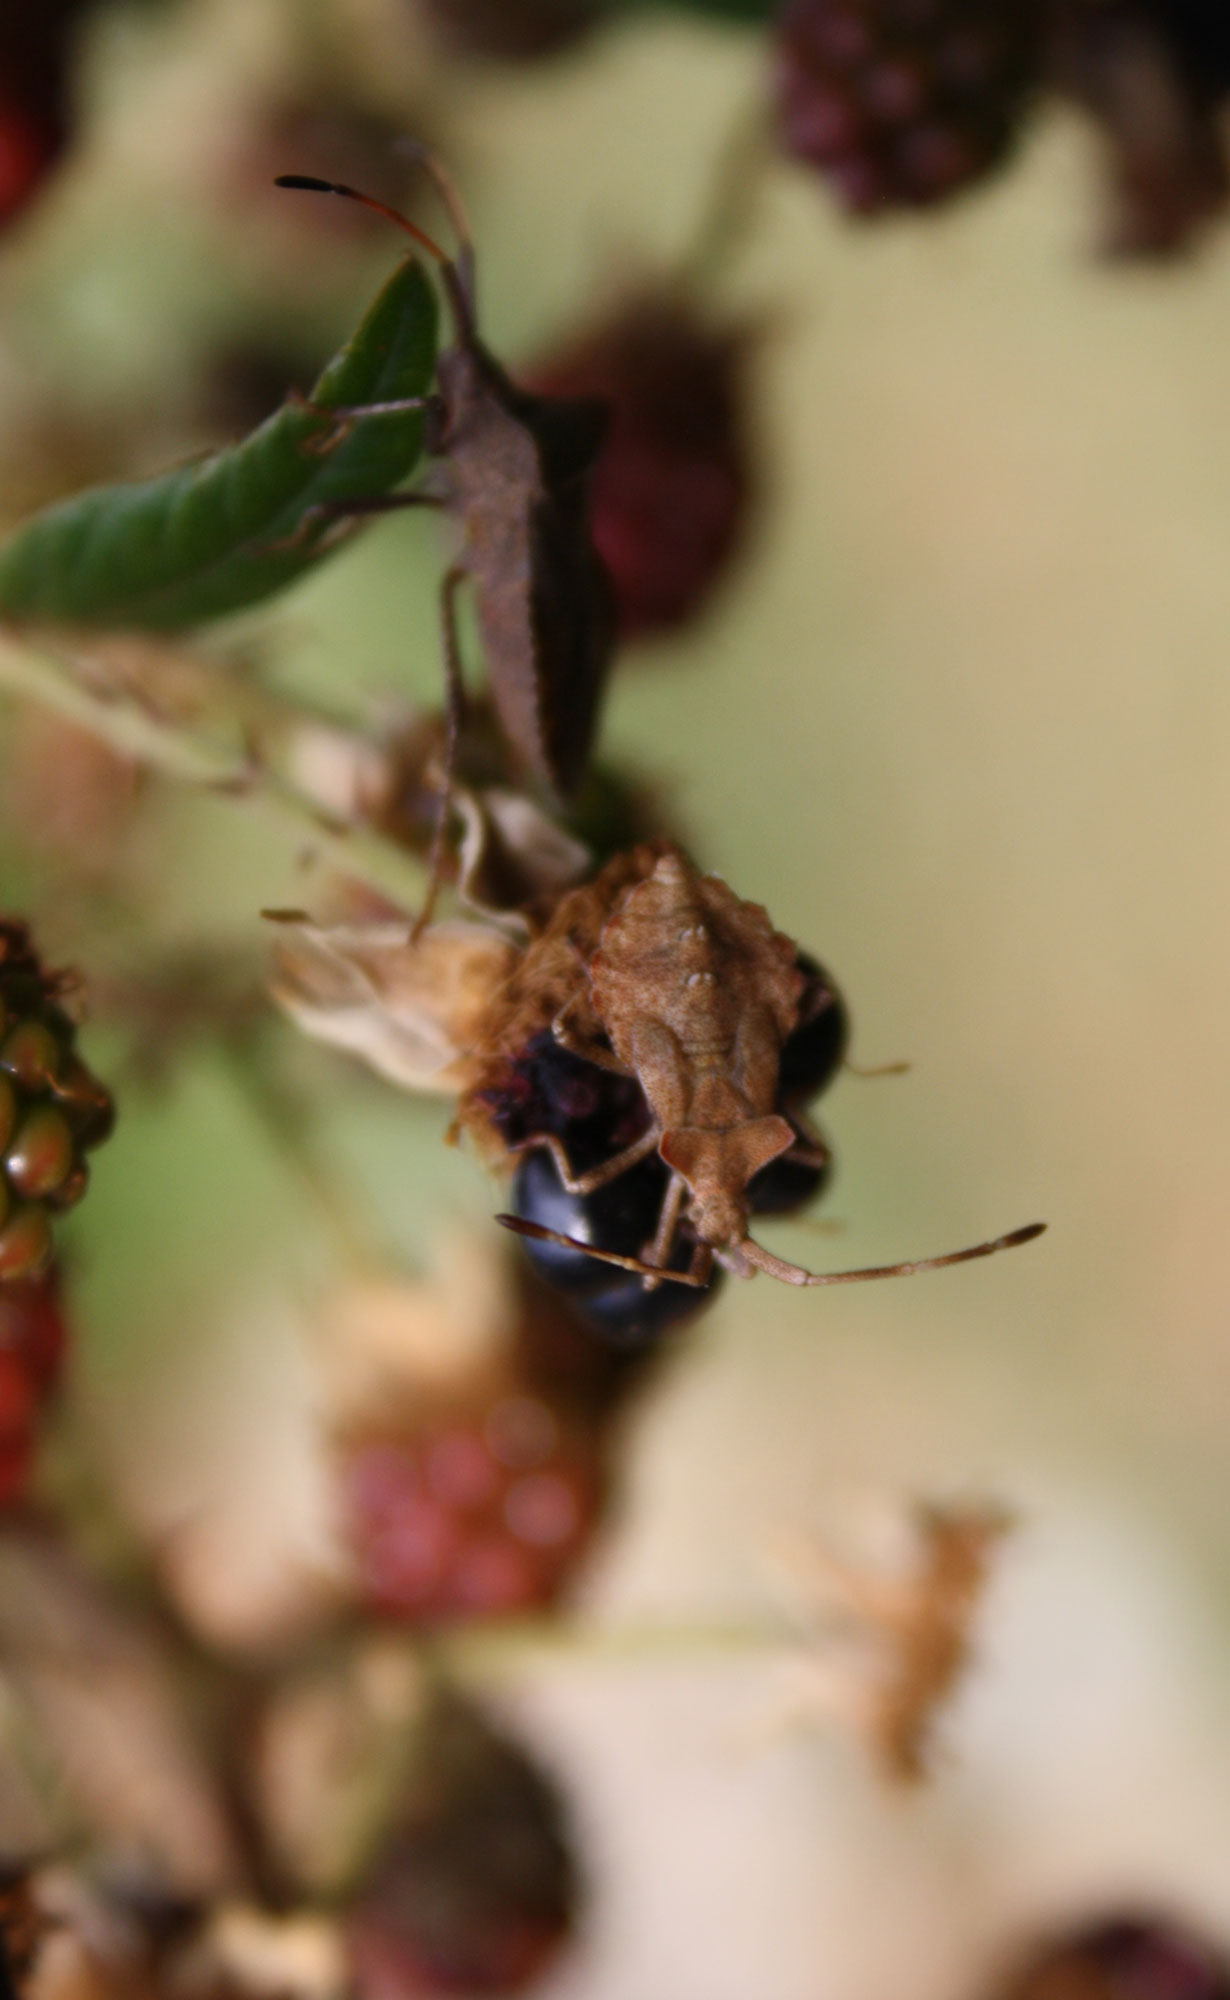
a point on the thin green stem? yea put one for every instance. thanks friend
(235, 764)
(494, 1652)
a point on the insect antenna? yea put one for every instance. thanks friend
(457, 274)
(450, 195)
(793, 1274)
(520, 1227)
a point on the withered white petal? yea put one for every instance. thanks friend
(411, 1011)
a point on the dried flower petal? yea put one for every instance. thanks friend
(911, 1632)
(411, 1011)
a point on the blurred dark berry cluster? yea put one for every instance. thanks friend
(53, 1109)
(1155, 75)
(902, 102)
(35, 95)
(672, 487)
(32, 1345)
(1127, 1956)
(512, 30)
(477, 1886)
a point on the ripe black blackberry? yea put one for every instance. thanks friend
(901, 103)
(52, 1108)
(621, 1217)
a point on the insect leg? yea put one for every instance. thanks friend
(455, 708)
(701, 1265)
(587, 1047)
(659, 1251)
(793, 1274)
(375, 503)
(809, 1149)
(341, 511)
(597, 1177)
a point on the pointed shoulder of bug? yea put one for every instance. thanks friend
(761, 962)
(681, 926)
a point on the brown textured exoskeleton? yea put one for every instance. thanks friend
(514, 473)
(695, 993)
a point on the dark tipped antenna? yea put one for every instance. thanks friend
(542, 1235)
(457, 273)
(793, 1274)
(777, 1267)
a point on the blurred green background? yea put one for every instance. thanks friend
(961, 721)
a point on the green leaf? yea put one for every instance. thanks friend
(211, 536)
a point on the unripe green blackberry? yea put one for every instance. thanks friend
(902, 103)
(52, 1108)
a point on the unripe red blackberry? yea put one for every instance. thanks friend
(477, 1888)
(673, 484)
(32, 1341)
(52, 1108)
(901, 103)
(1123, 1957)
(481, 1513)
(513, 30)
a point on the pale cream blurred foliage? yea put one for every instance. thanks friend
(965, 729)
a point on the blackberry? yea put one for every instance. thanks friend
(615, 1304)
(1155, 75)
(52, 1108)
(1123, 1957)
(673, 484)
(477, 1887)
(482, 1512)
(32, 1342)
(547, 1089)
(513, 30)
(902, 103)
(813, 1054)
(35, 121)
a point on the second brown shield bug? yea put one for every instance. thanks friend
(514, 473)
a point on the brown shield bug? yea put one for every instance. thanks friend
(514, 474)
(692, 992)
